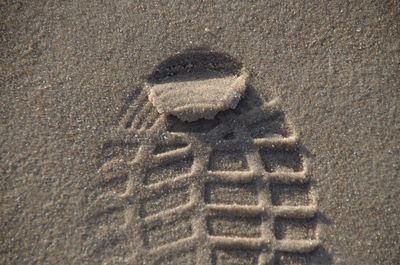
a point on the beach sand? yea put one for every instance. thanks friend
(72, 82)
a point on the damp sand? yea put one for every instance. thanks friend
(72, 78)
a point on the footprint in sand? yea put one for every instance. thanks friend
(201, 170)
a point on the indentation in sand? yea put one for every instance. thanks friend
(195, 99)
(235, 188)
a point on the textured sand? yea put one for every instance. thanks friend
(199, 98)
(70, 71)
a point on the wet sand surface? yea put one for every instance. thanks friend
(72, 72)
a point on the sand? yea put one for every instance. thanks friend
(198, 98)
(324, 91)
